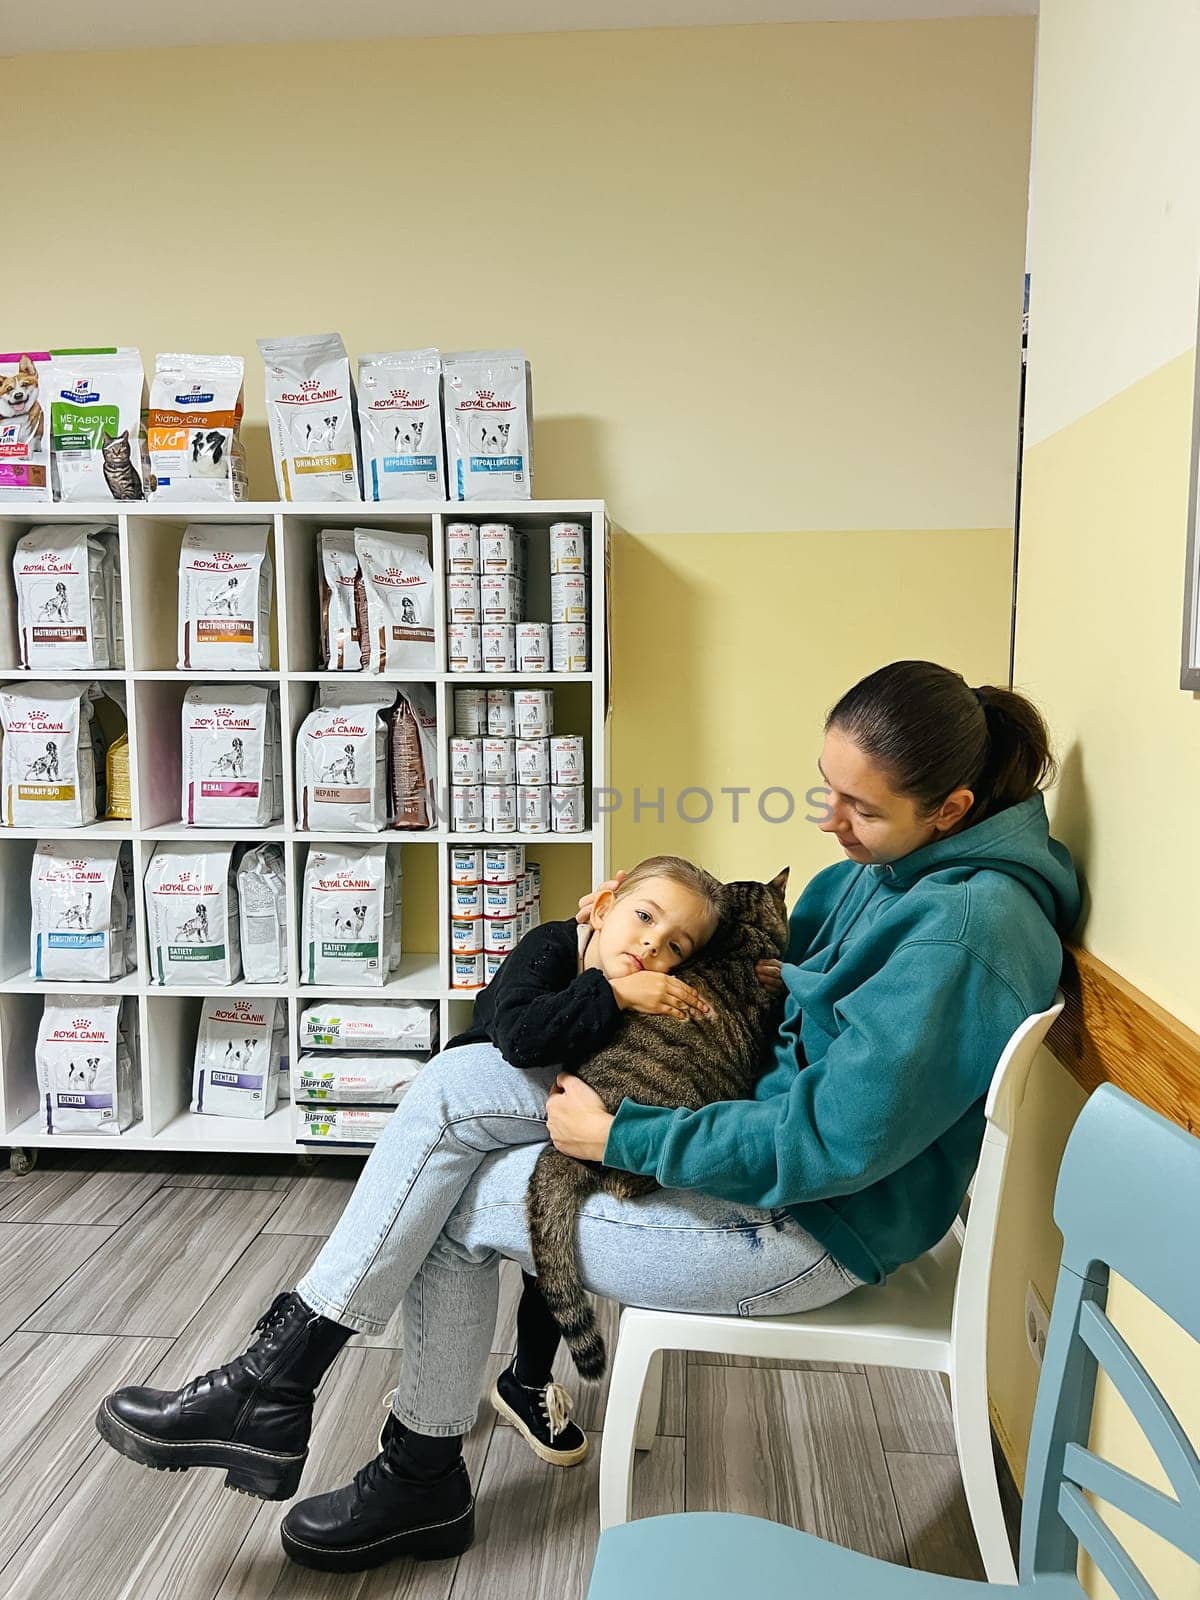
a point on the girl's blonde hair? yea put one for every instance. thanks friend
(685, 873)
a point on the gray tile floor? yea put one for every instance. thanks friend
(118, 1269)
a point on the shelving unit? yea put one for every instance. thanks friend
(150, 537)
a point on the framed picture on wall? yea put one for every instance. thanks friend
(1189, 674)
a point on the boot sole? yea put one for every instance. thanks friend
(436, 1541)
(556, 1458)
(262, 1473)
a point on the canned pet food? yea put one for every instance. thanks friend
(533, 760)
(502, 863)
(568, 547)
(569, 647)
(464, 648)
(466, 899)
(534, 869)
(522, 890)
(466, 935)
(533, 808)
(500, 808)
(499, 647)
(566, 758)
(501, 899)
(501, 599)
(467, 971)
(500, 935)
(533, 713)
(492, 962)
(470, 712)
(466, 866)
(568, 808)
(533, 646)
(499, 549)
(498, 764)
(466, 807)
(462, 598)
(501, 719)
(462, 547)
(466, 761)
(568, 597)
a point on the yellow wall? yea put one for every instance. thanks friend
(1114, 257)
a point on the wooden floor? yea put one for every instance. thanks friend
(117, 1270)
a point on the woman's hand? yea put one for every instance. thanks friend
(658, 994)
(584, 914)
(770, 975)
(577, 1119)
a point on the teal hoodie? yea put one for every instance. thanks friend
(904, 983)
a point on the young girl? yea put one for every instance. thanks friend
(556, 1000)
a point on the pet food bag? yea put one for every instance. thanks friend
(262, 914)
(191, 915)
(231, 759)
(24, 434)
(95, 403)
(395, 1025)
(85, 1070)
(64, 577)
(193, 428)
(342, 1125)
(49, 765)
(339, 580)
(343, 934)
(393, 905)
(398, 583)
(400, 419)
(489, 425)
(77, 927)
(118, 805)
(413, 739)
(310, 412)
(240, 1045)
(365, 1080)
(225, 581)
(342, 770)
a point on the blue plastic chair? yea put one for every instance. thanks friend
(1128, 1201)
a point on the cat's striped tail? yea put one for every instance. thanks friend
(557, 1190)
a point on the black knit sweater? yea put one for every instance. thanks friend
(540, 1010)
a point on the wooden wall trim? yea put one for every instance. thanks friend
(1110, 1032)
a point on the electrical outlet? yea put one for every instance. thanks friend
(1037, 1321)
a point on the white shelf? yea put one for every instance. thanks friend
(154, 687)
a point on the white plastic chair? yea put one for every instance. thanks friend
(930, 1316)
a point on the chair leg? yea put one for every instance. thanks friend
(630, 1364)
(651, 1407)
(973, 1433)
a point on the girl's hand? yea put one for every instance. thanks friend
(658, 994)
(577, 1119)
(770, 975)
(584, 914)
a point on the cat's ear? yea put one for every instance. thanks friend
(779, 882)
(124, 437)
(106, 436)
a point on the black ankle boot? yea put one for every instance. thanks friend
(414, 1500)
(252, 1416)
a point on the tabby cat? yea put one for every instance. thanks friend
(120, 474)
(661, 1061)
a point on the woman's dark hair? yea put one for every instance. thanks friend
(932, 733)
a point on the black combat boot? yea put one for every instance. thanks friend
(252, 1416)
(413, 1500)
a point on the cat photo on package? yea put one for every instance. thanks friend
(96, 399)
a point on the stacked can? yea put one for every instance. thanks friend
(467, 966)
(503, 915)
(464, 648)
(533, 723)
(569, 587)
(568, 795)
(502, 594)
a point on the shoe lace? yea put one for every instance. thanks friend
(556, 1406)
(270, 1319)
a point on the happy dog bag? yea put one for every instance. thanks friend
(489, 425)
(77, 928)
(400, 418)
(310, 411)
(193, 428)
(240, 1045)
(343, 938)
(225, 582)
(191, 915)
(231, 758)
(64, 577)
(24, 434)
(85, 1070)
(398, 581)
(95, 404)
(49, 764)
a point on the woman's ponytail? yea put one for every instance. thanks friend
(1019, 759)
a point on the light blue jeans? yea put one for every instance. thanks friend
(442, 1199)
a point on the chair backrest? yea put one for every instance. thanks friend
(1128, 1201)
(1004, 1101)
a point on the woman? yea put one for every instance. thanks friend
(910, 964)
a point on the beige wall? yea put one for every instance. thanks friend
(1115, 253)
